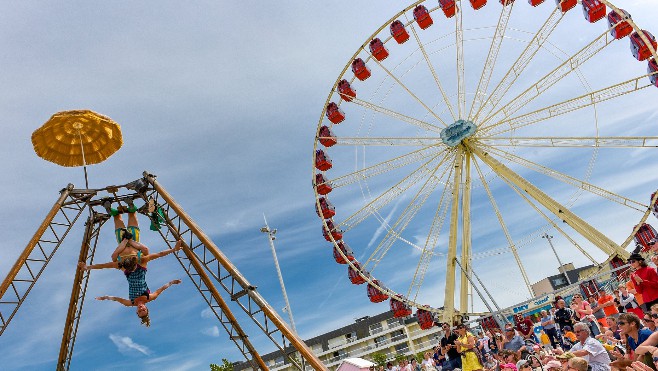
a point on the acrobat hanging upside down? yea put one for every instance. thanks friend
(132, 257)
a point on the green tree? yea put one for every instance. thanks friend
(379, 359)
(226, 366)
(400, 357)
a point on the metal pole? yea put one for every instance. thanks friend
(271, 238)
(495, 315)
(561, 269)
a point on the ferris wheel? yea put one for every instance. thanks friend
(461, 132)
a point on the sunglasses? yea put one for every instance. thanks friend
(654, 315)
(632, 261)
(621, 323)
(655, 359)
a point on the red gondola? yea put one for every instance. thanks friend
(326, 210)
(378, 50)
(345, 90)
(354, 275)
(399, 308)
(327, 137)
(651, 68)
(645, 237)
(422, 17)
(477, 4)
(639, 49)
(321, 185)
(425, 319)
(331, 231)
(398, 32)
(566, 5)
(346, 250)
(322, 160)
(535, 2)
(506, 2)
(374, 294)
(449, 8)
(361, 71)
(335, 114)
(594, 10)
(619, 27)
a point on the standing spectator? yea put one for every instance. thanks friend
(607, 302)
(590, 349)
(617, 300)
(427, 361)
(563, 315)
(597, 311)
(414, 365)
(628, 301)
(483, 343)
(580, 306)
(466, 346)
(645, 279)
(548, 323)
(449, 349)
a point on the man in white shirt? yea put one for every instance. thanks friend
(590, 349)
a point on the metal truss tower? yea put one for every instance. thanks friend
(211, 272)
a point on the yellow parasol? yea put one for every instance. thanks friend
(77, 138)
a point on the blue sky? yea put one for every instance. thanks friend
(221, 100)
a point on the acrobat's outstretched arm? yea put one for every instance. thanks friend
(86, 267)
(159, 291)
(150, 257)
(123, 301)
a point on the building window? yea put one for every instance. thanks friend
(397, 335)
(340, 354)
(380, 340)
(559, 281)
(402, 348)
(351, 337)
(393, 322)
(376, 328)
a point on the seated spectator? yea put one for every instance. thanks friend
(578, 364)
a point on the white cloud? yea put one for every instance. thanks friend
(126, 345)
(211, 331)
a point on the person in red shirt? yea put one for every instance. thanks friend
(645, 279)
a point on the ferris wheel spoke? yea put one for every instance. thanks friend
(492, 57)
(459, 36)
(579, 225)
(561, 142)
(510, 242)
(432, 70)
(402, 222)
(521, 62)
(422, 172)
(576, 183)
(550, 221)
(550, 79)
(413, 121)
(389, 165)
(387, 142)
(411, 93)
(573, 104)
(431, 243)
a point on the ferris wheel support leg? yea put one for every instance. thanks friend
(597, 238)
(267, 310)
(449, 299)
(466, 237)
(33, 242)
(78, 291)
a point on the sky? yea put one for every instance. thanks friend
(221, 100)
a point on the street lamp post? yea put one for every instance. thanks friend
(271, 238)
(562, 269)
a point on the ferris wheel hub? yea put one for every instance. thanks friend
(453, 135)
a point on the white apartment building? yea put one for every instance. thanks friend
(382, 333)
